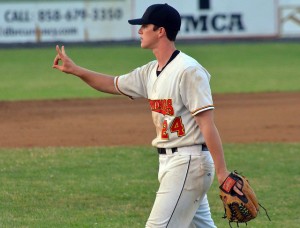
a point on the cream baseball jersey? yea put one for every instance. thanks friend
(181, 91)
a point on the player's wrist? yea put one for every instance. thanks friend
(222, 175)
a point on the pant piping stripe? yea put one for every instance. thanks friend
(187, 171)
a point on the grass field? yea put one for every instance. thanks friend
(235, 68)
(115, 187)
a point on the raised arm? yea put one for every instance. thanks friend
(99, 81)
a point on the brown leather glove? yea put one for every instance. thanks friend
(238, 208)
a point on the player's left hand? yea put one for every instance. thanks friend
(237, 187)
(239, 208)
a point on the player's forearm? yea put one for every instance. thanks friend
(99, 81)
(214, 144)
(213, 141)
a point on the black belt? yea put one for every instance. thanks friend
(163, 150)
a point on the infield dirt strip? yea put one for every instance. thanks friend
(240, 118)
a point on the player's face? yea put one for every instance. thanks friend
(148, 36)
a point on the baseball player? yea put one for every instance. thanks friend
(178, 90)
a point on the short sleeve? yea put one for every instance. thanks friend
(134, 84)
(195, 90)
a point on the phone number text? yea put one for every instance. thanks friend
(50, 15)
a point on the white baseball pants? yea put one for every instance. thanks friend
(181, 202)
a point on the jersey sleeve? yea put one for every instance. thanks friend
(195, 90)
(133, 84)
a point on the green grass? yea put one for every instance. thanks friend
(235, 68)
(115, 187)
(253, 67)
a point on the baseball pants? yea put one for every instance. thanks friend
(185, 177)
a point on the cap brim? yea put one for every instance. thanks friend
(139, 21)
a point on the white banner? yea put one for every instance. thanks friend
(223, 18)
(107, 20)
(64, 21)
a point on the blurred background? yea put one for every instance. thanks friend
(39, 21)
(261, 40)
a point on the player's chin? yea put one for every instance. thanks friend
(145, 46)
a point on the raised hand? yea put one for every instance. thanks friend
(67, 65)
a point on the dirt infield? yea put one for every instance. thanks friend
(243, 118)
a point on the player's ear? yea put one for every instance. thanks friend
(162, 31)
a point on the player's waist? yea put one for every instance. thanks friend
(195, 149)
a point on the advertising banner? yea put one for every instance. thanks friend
(224, 18)
(106, 20)
(64, 21)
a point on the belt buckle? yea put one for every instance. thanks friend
(169, 151)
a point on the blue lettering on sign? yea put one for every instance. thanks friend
(57, 15)
(16, 16)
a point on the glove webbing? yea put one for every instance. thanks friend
(237, 223)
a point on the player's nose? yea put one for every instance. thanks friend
(140, 30)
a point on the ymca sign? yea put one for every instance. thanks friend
(229, 18)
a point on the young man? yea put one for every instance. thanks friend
(188, 142)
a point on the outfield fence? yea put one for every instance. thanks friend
(106, 20)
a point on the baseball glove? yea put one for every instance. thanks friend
(238, 208)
